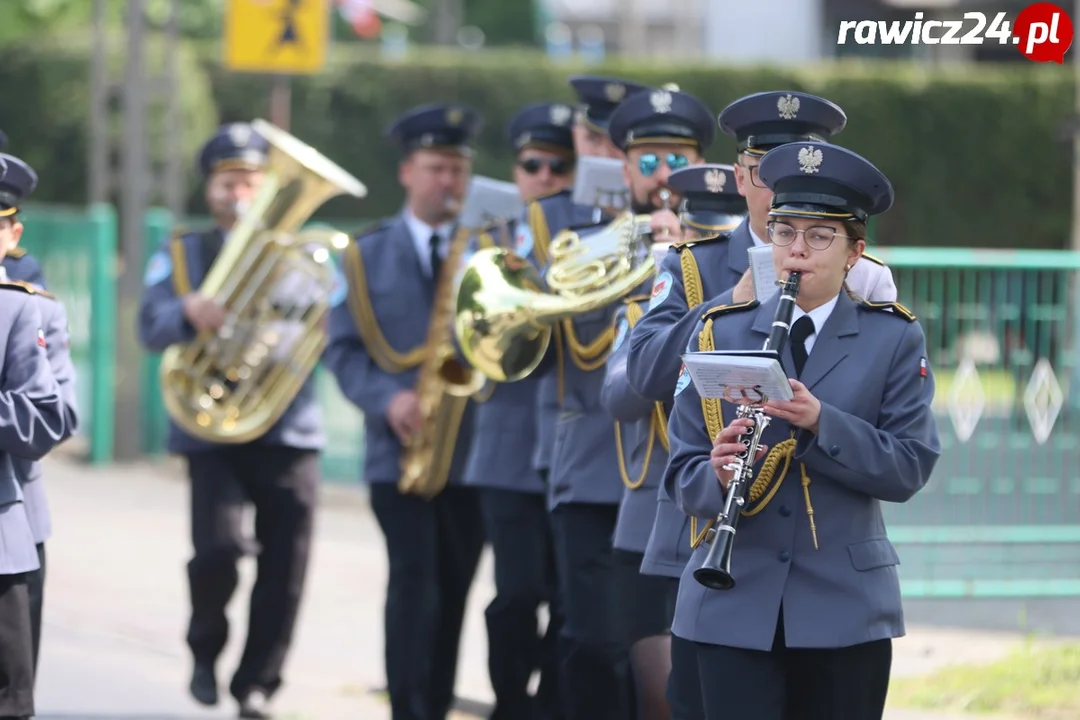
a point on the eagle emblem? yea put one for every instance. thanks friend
(560, 114)
(810, 159)
(239, 134)
(614, 92)
(524, 138)
(454, 116)
(715, 180)
(788, 106)
(660, 101)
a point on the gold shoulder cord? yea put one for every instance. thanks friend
(760, 489)
(180, 278)
(386, 357)
(657, 422)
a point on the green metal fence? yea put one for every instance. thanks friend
(1001, 515)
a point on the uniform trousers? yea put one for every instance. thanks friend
(643, 599)
(433, 547)
(519, 530)
(593, 653)
(16, 649)
(795, 683)
(282, 483)
(35, 586)
(684, 683)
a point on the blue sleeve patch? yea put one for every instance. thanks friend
(661, 289)
(523, 240)
(620, 334)
(684, 380)
(158, 269)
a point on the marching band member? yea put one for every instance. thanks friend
(512, 493)
(19, 182)
(31, 423)
(377, 344)
(808, 626)
(658, 131)
(278, 473)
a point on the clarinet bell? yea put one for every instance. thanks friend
(715, 572)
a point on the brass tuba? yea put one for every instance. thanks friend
(504, 318)
(274, 284)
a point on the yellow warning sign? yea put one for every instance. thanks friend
(285, 37)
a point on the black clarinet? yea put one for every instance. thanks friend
(715, 572)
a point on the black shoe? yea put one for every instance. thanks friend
(255, 705)
(203, 684)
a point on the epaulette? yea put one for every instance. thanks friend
(17, 252)
(873, 259)
(891, 307)
(683, 244)
(643, 297)
(27, 288)
(719, 310)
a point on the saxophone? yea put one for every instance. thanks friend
(444, 388)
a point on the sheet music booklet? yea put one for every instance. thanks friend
(733, 374)
(490, 201)
(599, 182)
(762, 272)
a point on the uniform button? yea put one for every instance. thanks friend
(785, 511)
(784, 556)
(834, 450)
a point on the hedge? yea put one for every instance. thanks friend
(976, 153)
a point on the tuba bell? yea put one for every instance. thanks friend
(274, 283)
(504, 317)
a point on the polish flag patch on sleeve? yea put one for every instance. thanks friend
(41, 338)
(922, 367)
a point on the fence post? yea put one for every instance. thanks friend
(157, 224)
(102, 236)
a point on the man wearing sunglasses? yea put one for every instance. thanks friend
(542, 138)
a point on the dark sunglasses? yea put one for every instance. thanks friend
(650, 162)
(557, 166)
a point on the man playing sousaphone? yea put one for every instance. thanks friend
(379, 347)
(659, 131)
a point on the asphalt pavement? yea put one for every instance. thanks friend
(116, 604)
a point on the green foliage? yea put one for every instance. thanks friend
(1037, 683)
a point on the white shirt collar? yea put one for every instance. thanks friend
(753, 236)
(818, 316)
(3, 274)
(421, 235)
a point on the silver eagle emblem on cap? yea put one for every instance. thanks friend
(788, 106)
(810, 159)
(614, 92)
(239, 134)
(715, 180)
(454, 116)
(660, 101)
(560, 114)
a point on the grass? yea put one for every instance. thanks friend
(1042, 683)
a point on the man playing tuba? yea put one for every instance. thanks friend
(380, 348)
(278, 472)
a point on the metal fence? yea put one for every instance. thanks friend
(1001, 516)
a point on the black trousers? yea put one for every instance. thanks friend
(794, 683)
(433, 547)
(684, 683)
(16, 649)
(519, 530)
(593, 653)
(35, 585)
(282, 483)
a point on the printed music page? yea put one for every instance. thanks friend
(763, 272)
(738, 376)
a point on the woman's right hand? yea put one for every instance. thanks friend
(727, 445)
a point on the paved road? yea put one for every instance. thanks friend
(116, 602)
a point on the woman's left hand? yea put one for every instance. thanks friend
(802, 411)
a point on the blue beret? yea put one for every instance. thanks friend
(711, 199)
(818, 179)
(542, 124)
(235, 146)
(17, 184)
(599, 96)
(764, 120)
(436, 127)
(664, 116)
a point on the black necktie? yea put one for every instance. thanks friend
(802, 329)
(436, 258)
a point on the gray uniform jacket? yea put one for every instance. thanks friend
(876, 442)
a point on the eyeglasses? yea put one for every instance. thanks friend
(557, 166)
(817, 237)
(649, 163)
(755, 179)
